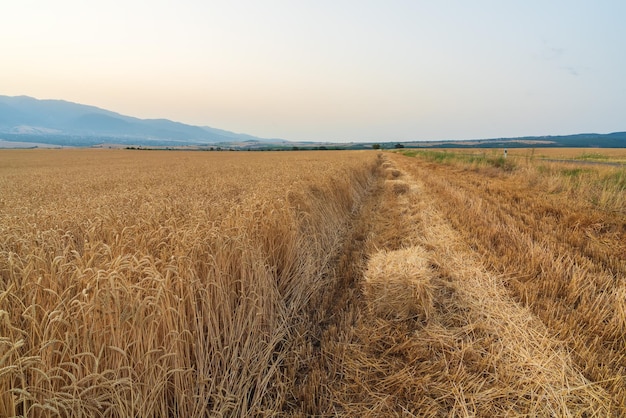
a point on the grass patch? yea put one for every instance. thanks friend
(449, 157)
(574, 172)
(501, 162)
(592, 156)
(430, 155)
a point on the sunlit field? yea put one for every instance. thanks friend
(614, 155)
(422, 283)
(582, 154)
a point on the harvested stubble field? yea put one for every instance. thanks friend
(159, 284)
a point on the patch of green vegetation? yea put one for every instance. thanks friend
(447, 157)
(436, 156)
(478, 159)
(574, 172)
(409, 153)
(441, 156)
(592, 156)
(501, 162)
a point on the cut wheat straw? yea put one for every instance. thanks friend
(397, 284)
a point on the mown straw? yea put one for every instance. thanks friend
(540, 242)
(479, 354)
(397, 284)
(163, 284)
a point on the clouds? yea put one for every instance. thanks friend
(557, 58)
(550, 53)
(570, 70)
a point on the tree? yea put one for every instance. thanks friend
(376, 146)
(399, 146)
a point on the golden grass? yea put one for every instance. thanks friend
(162, 283)
(477, 353)
(392, 173)
(559, 248)
(598, 154)
(145, 283)
(609, 154)
(397, 284)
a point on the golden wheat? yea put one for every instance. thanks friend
(154, 283)
(161, 284)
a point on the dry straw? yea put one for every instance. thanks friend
(397, 284)
(231, 284)
(393, 173)
(400, 187)
(560, 259)
(479, 353)
(163, 284)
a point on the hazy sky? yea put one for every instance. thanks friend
(336, 70)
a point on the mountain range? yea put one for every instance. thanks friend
(29, 122)
(59, 122)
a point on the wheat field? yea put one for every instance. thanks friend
(162, 284)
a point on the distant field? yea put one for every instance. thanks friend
(321, 283)
(588, 154)
(574, 153)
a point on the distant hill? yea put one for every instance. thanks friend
(25, 120)
(59, 122)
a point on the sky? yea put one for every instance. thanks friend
(329, 70)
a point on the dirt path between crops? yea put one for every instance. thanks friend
(418, 325)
